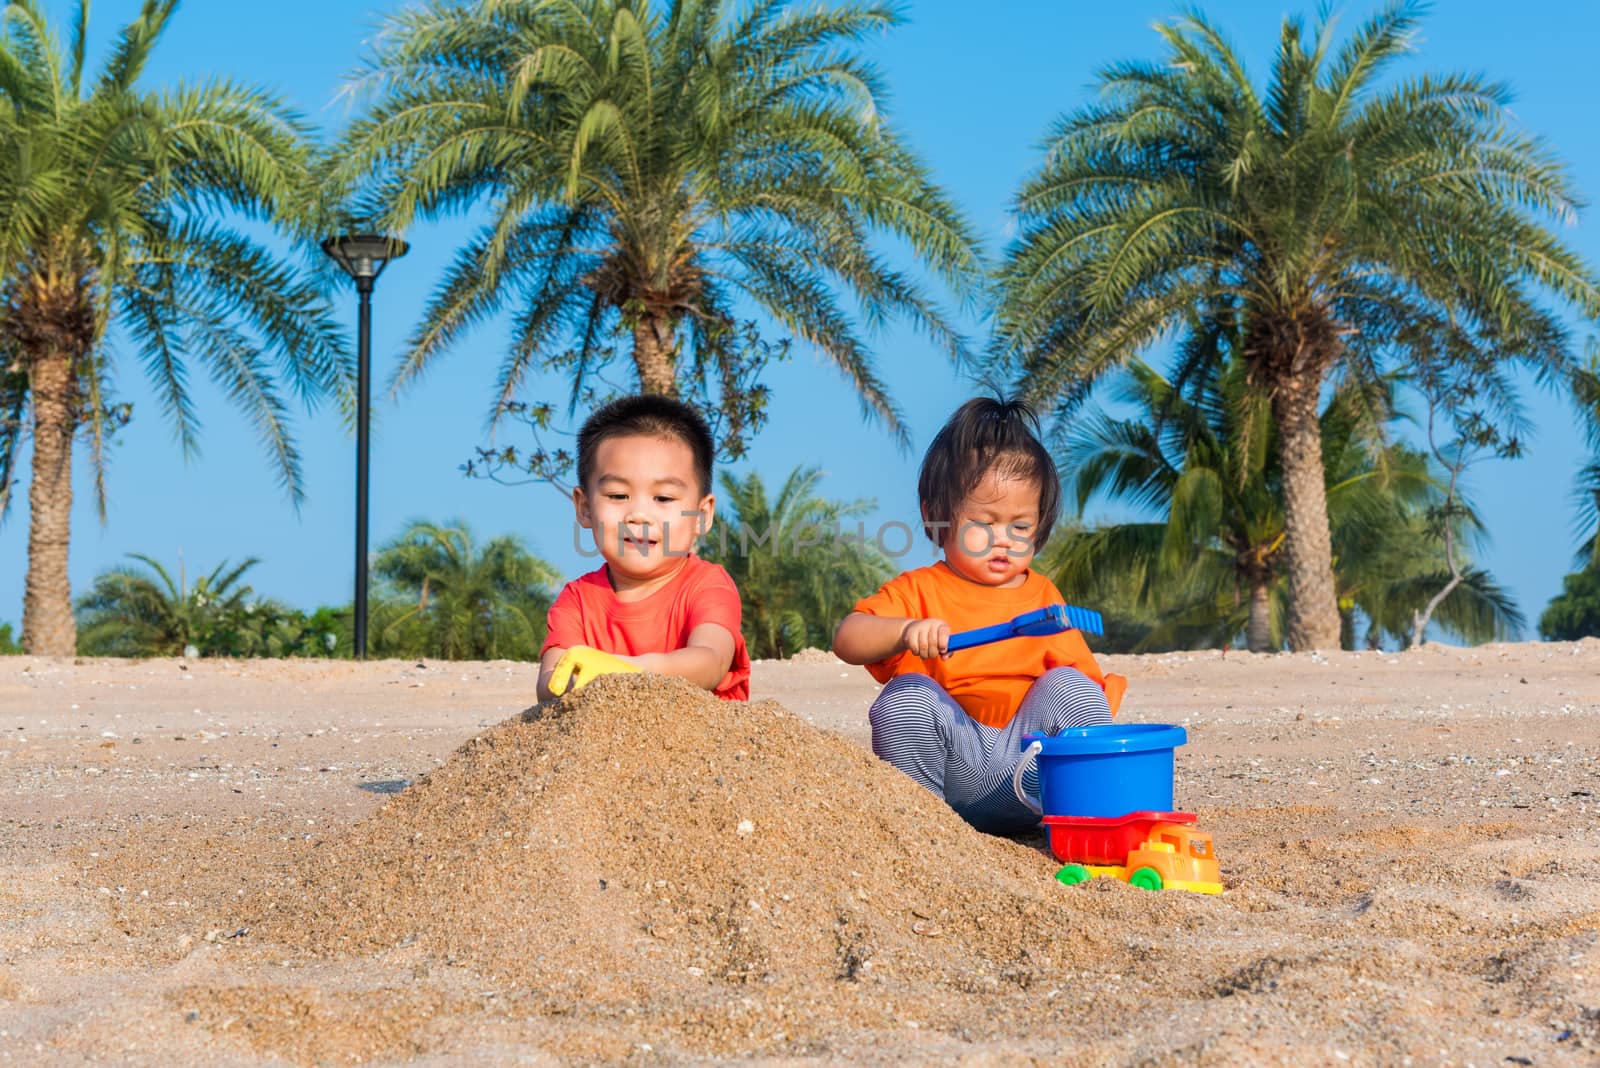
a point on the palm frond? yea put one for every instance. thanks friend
(677, 135)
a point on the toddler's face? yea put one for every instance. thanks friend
(644, 505)
(991, 537)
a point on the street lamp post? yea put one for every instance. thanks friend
(363, 257)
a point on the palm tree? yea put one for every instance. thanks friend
(1586, 490)
(1121, 595)
(643, 166)
(1201, 462)
(145, 611)
(1391, 569)
(446, 597)
(1204, 459)
(109, 205)
(1390, 545)
(1346, 224)
(1575, 612)
(799, 565)
(1587, 493)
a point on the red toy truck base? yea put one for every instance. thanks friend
(1151, 850)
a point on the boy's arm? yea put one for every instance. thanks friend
(863, 638)
(547, 667)
(563, 630)
(704, 661)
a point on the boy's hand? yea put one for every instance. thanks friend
(926, 638)
(581, 665)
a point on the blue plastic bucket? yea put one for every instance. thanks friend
(1107, 771)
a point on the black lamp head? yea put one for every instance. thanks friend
(363, 256)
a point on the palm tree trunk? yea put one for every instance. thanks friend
(654, 354)
(47, 625)
(1258, 635)
(1313, 605)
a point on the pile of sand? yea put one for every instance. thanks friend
(642, 836)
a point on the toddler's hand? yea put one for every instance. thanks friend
(927, 638)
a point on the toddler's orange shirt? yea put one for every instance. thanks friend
(587, 612)
(988, 681)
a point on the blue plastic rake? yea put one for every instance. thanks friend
(1042, 622)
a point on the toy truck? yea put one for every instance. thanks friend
(1150, 850)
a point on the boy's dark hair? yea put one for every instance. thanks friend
(650, 415)
(986, 434)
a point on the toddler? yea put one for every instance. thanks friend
(954, 722)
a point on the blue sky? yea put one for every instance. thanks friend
(973, 88)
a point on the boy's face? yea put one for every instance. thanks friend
(644, 504)
(990, 540)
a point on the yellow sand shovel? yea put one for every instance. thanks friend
(581, 665)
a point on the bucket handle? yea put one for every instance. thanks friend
(1029, 756)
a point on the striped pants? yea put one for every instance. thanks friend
(920, 729)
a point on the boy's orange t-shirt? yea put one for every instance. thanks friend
(587, 612)
(988, 681)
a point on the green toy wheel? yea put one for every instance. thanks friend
(1146, 879)
(1073, 874)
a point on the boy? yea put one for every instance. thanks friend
(644, 491)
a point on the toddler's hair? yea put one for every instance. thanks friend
(647, 415)
(986, 434)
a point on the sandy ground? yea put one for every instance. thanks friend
(1409, 841)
